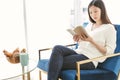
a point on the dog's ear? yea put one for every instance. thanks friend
(7, 54)
(16, 50)
(23, 50)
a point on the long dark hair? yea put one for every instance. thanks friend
(100, 4)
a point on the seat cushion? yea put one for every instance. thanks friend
(43, 64)
(96, 74)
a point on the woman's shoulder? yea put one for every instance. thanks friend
(109, 26)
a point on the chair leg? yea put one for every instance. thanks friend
(118, 76)
(40, 76)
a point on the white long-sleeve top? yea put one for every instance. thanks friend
(104, 35)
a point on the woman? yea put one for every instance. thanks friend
(101, 41)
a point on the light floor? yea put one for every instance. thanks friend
(34, 76)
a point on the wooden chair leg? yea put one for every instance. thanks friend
(40, 76)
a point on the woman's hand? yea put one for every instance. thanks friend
(82, 37)
(76, 38)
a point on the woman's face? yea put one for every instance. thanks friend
(95, 13)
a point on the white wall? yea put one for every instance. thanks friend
(113, 10)
(11, 25)
(47, 23)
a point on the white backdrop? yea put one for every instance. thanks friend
(47, 21)
(11, 25)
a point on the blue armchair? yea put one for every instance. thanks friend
(108, 70)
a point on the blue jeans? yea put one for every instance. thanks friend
(63, 58)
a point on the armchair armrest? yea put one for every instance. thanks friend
(45, 49)
(93, 59)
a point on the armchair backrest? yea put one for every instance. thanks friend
(117, 27)
(113, 64)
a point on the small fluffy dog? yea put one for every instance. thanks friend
(13, 57)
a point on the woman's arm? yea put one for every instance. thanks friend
(82, 37)
(101, 48)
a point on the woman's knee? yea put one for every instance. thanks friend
(57, 47)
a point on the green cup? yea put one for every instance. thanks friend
(24, 59)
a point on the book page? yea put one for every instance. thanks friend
(71, 31)
(78, 30)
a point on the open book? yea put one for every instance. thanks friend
(79, 30)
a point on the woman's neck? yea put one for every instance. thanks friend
(96, 25)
